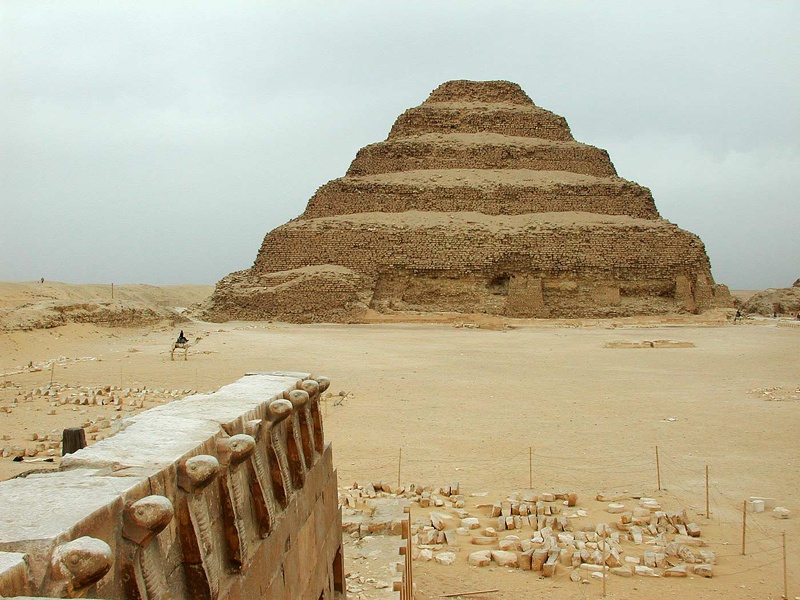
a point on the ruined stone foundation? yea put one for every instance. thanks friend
(478, 201)
(223, 496)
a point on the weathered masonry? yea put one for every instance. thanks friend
(230, 495)
(478, 201)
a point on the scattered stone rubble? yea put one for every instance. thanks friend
(33, 367)
(65, 397)
(546, 533)
(777, 393)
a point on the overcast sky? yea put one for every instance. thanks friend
(158, 142)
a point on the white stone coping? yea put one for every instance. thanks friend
(42, 507)
(155, 439)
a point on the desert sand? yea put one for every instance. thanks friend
(468, 404)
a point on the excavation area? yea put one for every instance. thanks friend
(512, 415)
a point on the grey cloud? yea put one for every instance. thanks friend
(130, 124)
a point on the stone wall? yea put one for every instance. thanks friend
(517, 121)
(230, 495)
(600, 196)
(457, 151)
(455, 246)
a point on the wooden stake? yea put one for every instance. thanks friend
(476, 592)
(72, 440)
(707, 510)
(399, 461)
(658, 470)
(604, 560)
(785, 581)
(744, 524)
(530, 467)
(409, 566)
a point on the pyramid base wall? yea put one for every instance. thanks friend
(518, 295)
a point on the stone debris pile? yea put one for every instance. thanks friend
(777, 393)
(90, 403)
(35, 367)
(545, 533)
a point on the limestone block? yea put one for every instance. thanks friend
(679, 571)
(565, 556)
(550, 565)
(704, 570)
(471, 523)
(481, 558)
(624, 571)
(755, 506)
(480, 540)
(644, 571)
(769, 503)
(685, 554)
(636, 534)
(510, 543)
(781, 513)
(526, 560)
(438, 520)
(708, 557)
(445, 558)
(538, 558)
(425, 555)
(505, 559)
(688, 540)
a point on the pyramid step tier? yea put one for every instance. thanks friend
(480, 151)
(464, 90)
(492, 192)
(580, 244)
(503, 119)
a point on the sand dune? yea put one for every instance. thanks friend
(34, 305)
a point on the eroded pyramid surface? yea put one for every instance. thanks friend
(478, 201)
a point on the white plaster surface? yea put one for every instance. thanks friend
(156, 438)
(9, 560)
(42, 507)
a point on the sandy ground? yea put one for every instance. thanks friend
(468, 405)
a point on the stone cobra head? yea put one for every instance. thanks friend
(197, 472)
(236, 449)
(145, 518)
(82, 562)
(298, 398)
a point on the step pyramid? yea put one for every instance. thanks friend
(478, 201)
